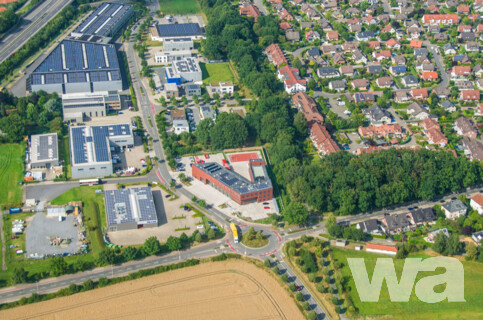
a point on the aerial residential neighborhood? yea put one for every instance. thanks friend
(234, 158)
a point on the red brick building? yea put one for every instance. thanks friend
(239, 189)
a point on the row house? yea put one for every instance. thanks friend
(322, 140)
(291, 80)
(445, 19)
(382, 131)
(275, 55)
(306, 104)
(464, 127)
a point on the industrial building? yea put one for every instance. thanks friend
(130, 208)
(178, 44)
(102, 24)
(76, 66)
(186, 70)
(176, 30)
(90, 148)
(43, 151)
(78, 107)
(239, 189)
(169, 56)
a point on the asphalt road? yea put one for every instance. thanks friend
(31, 23)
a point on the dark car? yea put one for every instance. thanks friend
(266, 203)
(167, 196)
(298, 288)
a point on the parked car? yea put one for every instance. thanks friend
(167, 196)
(207, 156)
(266, 207)
(266, 203)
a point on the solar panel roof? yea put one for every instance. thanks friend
(130, 205)
(104, 19)
(43, 147)
(179, 30)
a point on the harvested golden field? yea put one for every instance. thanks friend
(220, 290)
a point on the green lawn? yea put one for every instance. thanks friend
(94, 212)
(12, 158)
(65, 154)
(179, 6)
(415, 309)
(215, 72)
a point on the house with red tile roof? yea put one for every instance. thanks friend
(445, 19)
(353, 21)
(464, 28)
(419, 94)
(285, 15)
(285, 26)
(479, 28)
(393, 44)
(322, 140)
(332, 35)
(389, 28)
(376, 45)
(250, 11)
(416, 44)
(381, 131)
(461, 71)
(477, 203)
(429, 76)
(435, 136)
(308, 107)
(275, 55)
(470, 95)
(381, 55)
(291, 79)
(429, 123)
(463, 8)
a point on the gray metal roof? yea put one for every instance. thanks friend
(186, 65)
(179, 30)
(78, 62)
(454, 206)
(234, 180)
(130, 205)
(104, 19)
(43, 147)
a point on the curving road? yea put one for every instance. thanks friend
(29, 26)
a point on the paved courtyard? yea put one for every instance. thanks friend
(42, 228)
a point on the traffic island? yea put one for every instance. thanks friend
(254, 239)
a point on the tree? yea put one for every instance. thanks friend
(196, 99)
(285, 277)
(276, 270)
(321, 288)
(203, 131)
(106, 256)
(130, 253)
(296, 213)
(206, 97)
(259, 235)
(311, 85)
(88, 285)
(152, 84)
(471, 252)
(312, 315)
(453, 245)
(267, 263)
(19, 275)
(299, 296)
(184, 100)
(198, 237)
(211, 234)
(58, 266)
(467, 230)
(305, 306)
(13, 126)
(439, 244)
(152, 246)
(202, 203)
(173, 243)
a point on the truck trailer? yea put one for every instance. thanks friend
(234, 230)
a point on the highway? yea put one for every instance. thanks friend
(31, 23)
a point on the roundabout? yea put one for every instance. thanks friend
(273, 242)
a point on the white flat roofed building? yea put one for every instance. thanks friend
(43, 151)
(178, 44)
(221, 87)
(181, 126)
(169, 56)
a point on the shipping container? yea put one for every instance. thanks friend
(15, 210)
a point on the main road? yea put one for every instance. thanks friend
(29, 26)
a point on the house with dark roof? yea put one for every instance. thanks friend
(398, 70)
(374, 68)
(327, 72)
(448, 106)
(454, 209)
(395, 223)
(417, 112)
(365, 35)
(410, 80)
(421, 216)
(377, 115)
(337, 85)
(370, 227)
(464, 127)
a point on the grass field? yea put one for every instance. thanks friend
(216, 290)
(12, 158)
(416, 309)
(94, 213)
(179, 6)
(215, 72)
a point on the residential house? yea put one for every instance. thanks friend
(470, 95)
(478, 71)
(477, 203)
(337, 85)
(312, 35)
(361, 84)
(322, 140)
(285, 15)
(374, 45)
(477, 237)
(292, 35)
(444, 19)
(434, 29)
(313, 53)
(442, 92)
(285, 26)
(379, 132)
(355, 28)
(463, 9)
(421, 52)
(454, 209)
(393, 44)
(221, 87)
(275, 55)
(398, 70)
(441, 37)
(291, 79)
(384, 82)
(381, 249)
(464, 28)
(421, 216)
(350, 46)
(467, 36)
(464, 127)
(435, 136)
(328, 49)
(395, 223)
(353, 21)
(479, 84)
(419, 94)
(460, 71)
(376, 115)
(327, 72)
(432, 235)
(448, 106)
(410, 81)
(399, 60)
(364, 97)
(250, 11)
(416, 44)
(448, 49)
(338, 58)
(359, 58)
(365, 35)
(428, 124)
(370, 226)
(473, 148)
(332, 36)
(417, 112)
(347, 71)
(472, 47)
(401, 97)
(388, 29)
(381, 55)
(430, 76)
(374, 69)
(181, 126)
(306, 104)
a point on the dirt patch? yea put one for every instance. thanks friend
(221, 290)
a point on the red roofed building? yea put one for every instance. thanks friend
(463, 8)
(440, 18)
(464, 28)
(461, 71)
(381, 55)
(435, 136)
(2, 9)
(382, 131)
(275, 1)
(308, 107)
(381, 248)
(429, 123)
(470, 95)
(291, 79)
(477, 203)
(285, 26)
(353, 21)
(416, 44)
(376, 45)
(322, 140)
(250, 11)
(419, 94)
(332, 35)
(275, 55)
(393, 44)
(479, 28)
(388, 28)
(430, 76)
(285, 15)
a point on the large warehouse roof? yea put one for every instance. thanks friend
(91, 145)
(179, 30)
(130, 205)
(234, 180)
(104, 19)
(78, 62)
(43, 147)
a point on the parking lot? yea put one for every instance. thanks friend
(213, 197)
(171, 216)
(42, 230)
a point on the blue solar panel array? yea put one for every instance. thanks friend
(99, 135)
(101, 15)
(179, 30)
(118, 206)
(97, 67)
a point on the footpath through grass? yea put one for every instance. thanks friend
(179, 6)
(12, 158)
(415, 308)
